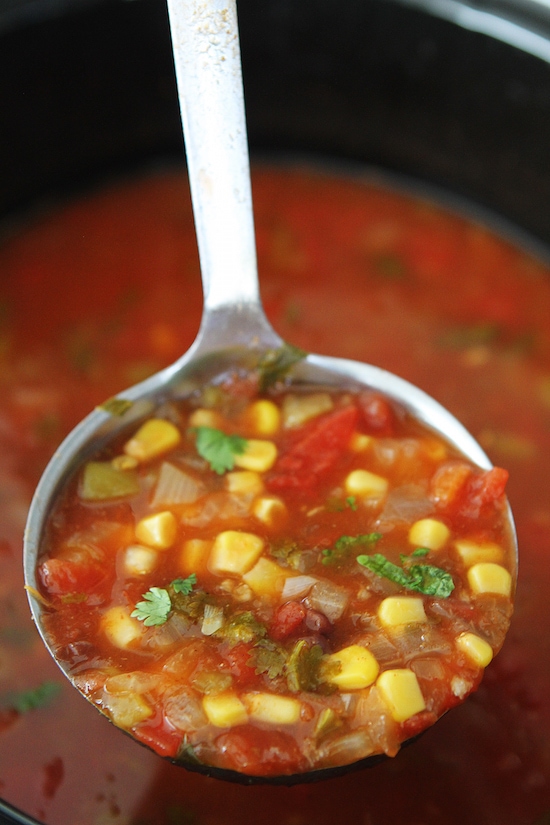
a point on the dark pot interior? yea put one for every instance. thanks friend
(87, 92)
(87, 89)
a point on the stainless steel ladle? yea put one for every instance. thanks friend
(234, 331)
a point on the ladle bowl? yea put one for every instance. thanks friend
(234, 333)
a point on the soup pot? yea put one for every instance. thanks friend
(450, 97)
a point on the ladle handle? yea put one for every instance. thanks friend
(205, 41)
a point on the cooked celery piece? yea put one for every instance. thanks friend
(101, 481)
(297, 409)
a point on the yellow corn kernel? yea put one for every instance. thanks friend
(473, 552)
(487, 577)
(224, 710)
(435, 450)
(244, 482)
(430, 533)
(398, 610)
(258, 455)
(297, 409)
(360, 442)
(139, 560)
(273, 708)
(205, 418)
(119, 627)
(153, 438)
(400, 690)
(235, 552)
(127, 709)
(124, 462)
(266, 578)
(158, 531)
(475, 648)
(365, 484)
(263, 417)
(356, 668)
(193, 556)
(271, 511)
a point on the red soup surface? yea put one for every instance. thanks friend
(102, 293)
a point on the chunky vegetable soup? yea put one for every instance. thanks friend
(274, 583)
(347, 269)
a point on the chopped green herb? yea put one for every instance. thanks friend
(35, 698)
(243, 627)
(185, 586)
(155, 608)
(431, 580)
(211, 682)
(418, 553)
(190, 605)
(116, 406)
(218, 448)
(343, 546)
(268, 657)
(303, 667)
(288, 552)
(275, 364)
(423, 578)
(351, 502)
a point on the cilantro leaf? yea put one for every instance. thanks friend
(275, 363)
(185, 586)
(36, 698)
(243, 627)
(303, 668)
(116, 406)
(380, 565)
(218, 448)
(345, 544)
(422, 578)
(155, 608)
(268, 657)
(431, 580)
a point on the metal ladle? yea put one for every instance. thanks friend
(234, 331)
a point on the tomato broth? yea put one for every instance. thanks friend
(348, 269)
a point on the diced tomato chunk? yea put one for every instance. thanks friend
(259, 752)
(164, 740)
(316, 453)
(482, 490)
(448, 481)
(288, 619)
(417, 723)
(377, 413)
(61, 577)
(457, 488)
(238, 658)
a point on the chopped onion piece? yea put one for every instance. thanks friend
(184, 710)
(328, 598)
(429, 668)
(136, 681)
(175, 487)
(403, 506)
(212, 619)
(346, 749)
(296, 587)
